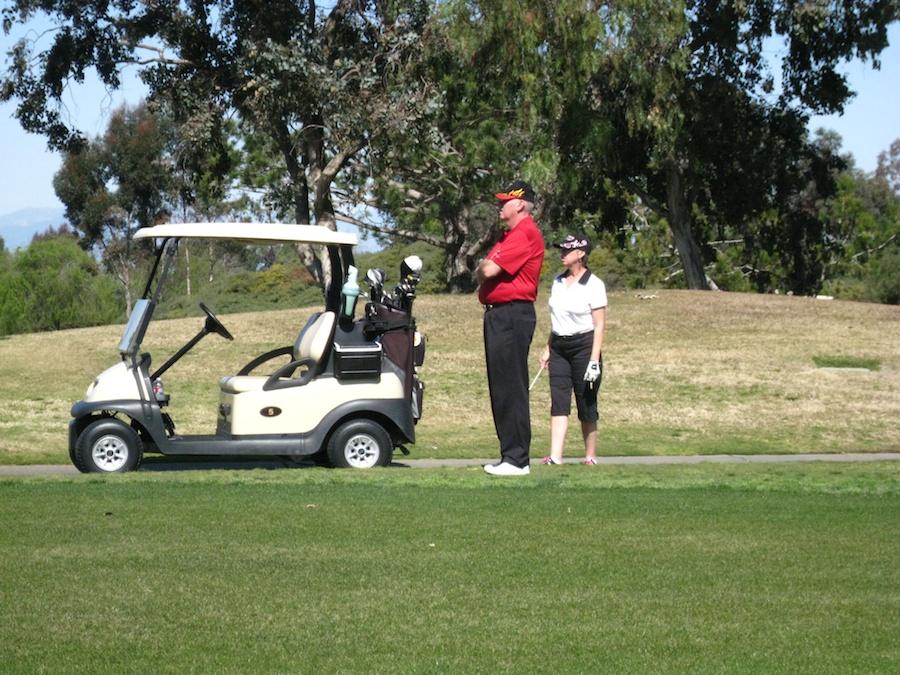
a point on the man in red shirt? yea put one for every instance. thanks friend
(508, 279)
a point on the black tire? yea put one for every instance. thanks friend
(74, 457)
(360, 444)
(108, 446)
(76, 460)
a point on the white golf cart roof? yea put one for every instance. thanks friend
(250, 233)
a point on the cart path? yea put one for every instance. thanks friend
(169, 464)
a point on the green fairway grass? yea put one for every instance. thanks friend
(788, 568)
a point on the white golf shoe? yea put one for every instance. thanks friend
(507, 469)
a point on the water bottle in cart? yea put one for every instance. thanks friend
(350, 293)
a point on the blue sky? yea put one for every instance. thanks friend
(870, 123)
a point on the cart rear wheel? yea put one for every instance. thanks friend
(360, 444)
(108, 446)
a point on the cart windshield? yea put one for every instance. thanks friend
(136, 327)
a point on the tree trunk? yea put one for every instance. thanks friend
(462, 252)
(297, 175)
(325, 218)
(680, 223)
(460, 273)
(187, 266)
(123, 272)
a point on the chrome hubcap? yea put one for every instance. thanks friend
(110, 453)
(361, 451)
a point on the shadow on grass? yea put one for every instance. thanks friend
(164, 463)
(222, 463)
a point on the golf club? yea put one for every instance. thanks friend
(405, 292)
(375, 279)
(536, 378)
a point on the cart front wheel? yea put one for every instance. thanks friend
(108, 446)
(360, 444)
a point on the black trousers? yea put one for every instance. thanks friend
(508, 331)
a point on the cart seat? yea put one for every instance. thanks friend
(312, 349)
(314, 341)
(237, 384)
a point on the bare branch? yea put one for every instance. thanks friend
(159, 58)
(877, 248)
(393, 232)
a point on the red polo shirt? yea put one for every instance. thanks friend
(520, 254)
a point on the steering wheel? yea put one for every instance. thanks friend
(213, 325)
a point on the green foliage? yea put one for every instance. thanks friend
(13, 308)
(311, 88)
(859, 225)
(292, 111)
(53, 284)
(846, 288)
(678, 113)
(277, 287)
(115, 184)
(729, 277)
(119, 182)
(624, 268)
(438, 173)
(389, 260)
(884, 283)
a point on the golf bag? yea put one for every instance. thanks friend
(395, 329)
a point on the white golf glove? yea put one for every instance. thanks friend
(592, 374)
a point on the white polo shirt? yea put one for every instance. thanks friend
(570, 308)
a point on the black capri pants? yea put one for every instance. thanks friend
(569, 358)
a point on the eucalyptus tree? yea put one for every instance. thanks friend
(113, 185)
(434, 178)
(678, 104)
(315, 83)
(888, 169)
(497, 74)
(692, 118)
(673, 104)
(861, 223)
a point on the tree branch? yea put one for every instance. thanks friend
(651, 203)
(877, 248)
(159, 58)
(393, 232)
(338, 161)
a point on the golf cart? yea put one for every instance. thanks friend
(346, 390)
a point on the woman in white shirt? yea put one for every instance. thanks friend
(574, 352)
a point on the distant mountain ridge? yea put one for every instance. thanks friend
(18, 228)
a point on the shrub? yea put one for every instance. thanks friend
(53, 285)
(389, 260)
(884, 283)
(276, 287)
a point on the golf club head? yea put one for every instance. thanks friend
(411, 264)
(375, 279)
(410, 269)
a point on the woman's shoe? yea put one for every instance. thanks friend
(549, 460)
(590, 460)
